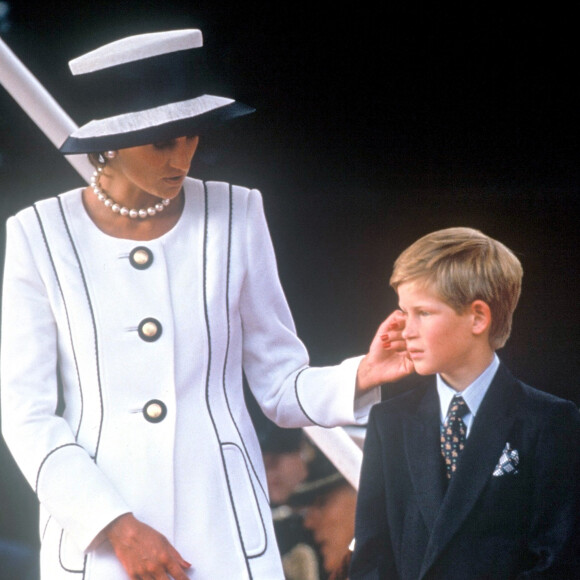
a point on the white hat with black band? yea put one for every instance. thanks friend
(150, 89)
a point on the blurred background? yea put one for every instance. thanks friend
(374, 126)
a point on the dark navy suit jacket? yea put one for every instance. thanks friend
(412, 525)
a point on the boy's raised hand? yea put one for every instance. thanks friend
(387, 359)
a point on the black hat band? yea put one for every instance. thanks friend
(147, 83)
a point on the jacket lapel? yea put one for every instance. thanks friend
(424, 456)
(484, 446)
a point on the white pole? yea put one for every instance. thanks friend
(39, 105)
(337, 445)
(57, 125)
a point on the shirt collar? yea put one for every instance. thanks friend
(472, 395)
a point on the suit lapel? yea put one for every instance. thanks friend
(484, 446)
(424, 457)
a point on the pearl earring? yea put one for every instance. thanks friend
(111, 154)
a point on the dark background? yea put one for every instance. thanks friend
(374, 126)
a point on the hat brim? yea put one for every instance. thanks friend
(306, 492)
(90, 137)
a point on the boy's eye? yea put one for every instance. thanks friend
(424, 313)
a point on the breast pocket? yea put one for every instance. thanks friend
(506, 504)
(246, 508)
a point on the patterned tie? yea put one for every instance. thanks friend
(453, 434)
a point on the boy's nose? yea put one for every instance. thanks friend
(409, 331)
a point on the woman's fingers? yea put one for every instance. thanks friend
(392, 334)
(145, 553)
(387, 359)
(177, 566)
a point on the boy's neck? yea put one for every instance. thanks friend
(460, 378)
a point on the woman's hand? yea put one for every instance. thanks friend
(144, 553)
(387, 359)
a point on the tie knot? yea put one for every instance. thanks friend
(458, 407)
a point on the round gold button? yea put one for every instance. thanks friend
(150, 329)
(141, 258)
(155, 411)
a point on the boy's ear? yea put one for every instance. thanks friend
(481, 316)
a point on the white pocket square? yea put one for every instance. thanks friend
(508, 462)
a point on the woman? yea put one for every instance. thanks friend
(131, 308)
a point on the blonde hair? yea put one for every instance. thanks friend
(463, 265)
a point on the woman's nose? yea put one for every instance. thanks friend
(184, 152)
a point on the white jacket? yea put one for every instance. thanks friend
(79, 375)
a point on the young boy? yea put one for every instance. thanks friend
(482, 486)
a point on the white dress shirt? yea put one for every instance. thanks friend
(472, 395)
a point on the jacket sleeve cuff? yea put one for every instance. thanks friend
(327, 395)
(83, 504)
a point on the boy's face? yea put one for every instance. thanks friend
(439, 340)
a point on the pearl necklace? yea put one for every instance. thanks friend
(121, 210)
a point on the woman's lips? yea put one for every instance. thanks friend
(174, 180)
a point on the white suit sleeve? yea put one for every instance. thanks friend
(276, 363)
(63, 475)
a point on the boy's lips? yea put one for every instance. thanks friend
(414, 352)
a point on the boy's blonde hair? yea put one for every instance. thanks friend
(463, 265)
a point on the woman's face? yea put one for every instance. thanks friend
(158, 169)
